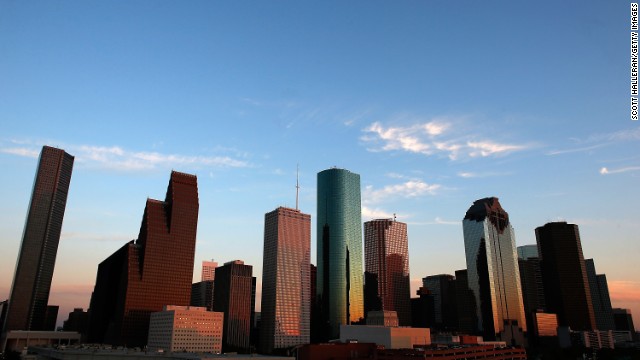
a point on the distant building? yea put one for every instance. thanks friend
(531, 282)
(624, 321)
(422, 312)
(339, 238)
(234, 296)
(286, 293)
(77, 321)
(493, 274)
(202, 294)
(465, 304)
(382, 318)
(208, 270)
(50, 318)
(564, 275)
(442, 287)
(145, 275)
(389, 337)
(526, 252)
(600, 298)
(185, 328)
(29, 295)
(386, 255)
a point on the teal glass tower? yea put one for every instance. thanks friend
(339, 278)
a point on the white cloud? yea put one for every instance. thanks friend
(368, 213)
(606, 171)
(469, 174)
(408, 189)
(433, 137)
(117, 158)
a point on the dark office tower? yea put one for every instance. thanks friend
(234, 295)
(465, 304)
(77, 321)
(37, 257)
(564, 275)
(600, 297)
(444, 304)
(202, 294)
(51, 317)
(624, 321)
(340, 287)
(151, 272)
(422, 309)
(531, 281)
(286, 294)
(386, 254)
(492, 269)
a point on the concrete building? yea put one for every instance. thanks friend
(286, 294)
(185, 328)
(383, 318)
(389, 337)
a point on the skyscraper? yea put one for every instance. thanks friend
(34, 270)
(146, 274)
(386, 251)
(234, 295)
(208, 270)
(600, 298)
(531, 282)
(442, 287)
(339, 249)
(564, 275)
(492, 270)
(286, 294)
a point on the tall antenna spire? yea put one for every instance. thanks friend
(297, 184)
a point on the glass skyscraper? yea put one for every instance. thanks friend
(286, 298)
(34, 270)
(493, 274)
(340, 285)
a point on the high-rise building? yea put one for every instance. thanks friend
(531, 282)
(286, 294)
(623, 321)
(564, 275)
(422, 309)
(600, 298)
(493, 274)
(146, 274)
(234, 295)
(34, 269)
(386, 257)
(442, 287)
(340, 286)
(466, 309)
(202, 294)
(208, 270)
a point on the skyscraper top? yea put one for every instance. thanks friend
(488, 207)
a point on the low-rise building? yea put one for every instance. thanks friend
(186, 328)
(389, 337)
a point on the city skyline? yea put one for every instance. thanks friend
(434, 105)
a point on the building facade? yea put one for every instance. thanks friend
(493, 274)
(208, 270)
(235, 296)
(286, 293)
(339, 234)
(148, 273)
(386, 254)
(29, 295)
(600, 298)
(202, 294)
(185, 328)
(442, 287)
(564, 275)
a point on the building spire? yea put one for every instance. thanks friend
(297, 184)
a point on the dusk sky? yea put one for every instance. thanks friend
(435, 104)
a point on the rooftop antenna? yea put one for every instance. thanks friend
(297, 184)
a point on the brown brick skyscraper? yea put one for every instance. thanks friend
(37, 257)
(153, 271)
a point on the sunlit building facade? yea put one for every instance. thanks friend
(493, 274)
(208, 270)
(148, 273)
(27, 307)
(185, 328)
(286, 294)
(386, 257)
(339, 234)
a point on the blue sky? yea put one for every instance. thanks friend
(434, 104)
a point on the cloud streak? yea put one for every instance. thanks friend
(597, 141)
(607, 171)
(435, 137)
(121, 159)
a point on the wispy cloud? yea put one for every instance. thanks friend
(375, 213)
(409, 189)
(118, 158)
(607, 171)
(596, 141)
(469, 174)
(438, 136)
